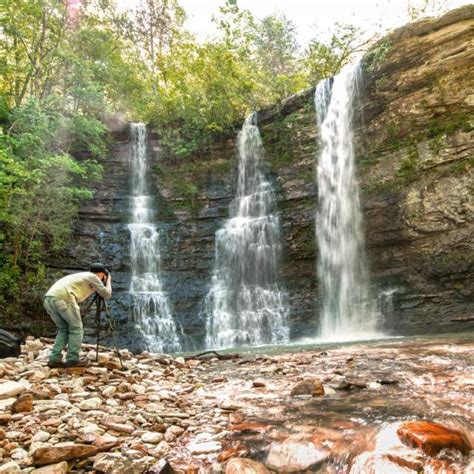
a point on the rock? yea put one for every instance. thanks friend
(10, 389)
(250, 426)
(162, 449)
(152, 438)
(119, 463)
(205, 448)
(161, 467)
(23, 404)
(312, 387)
(10, 468)
(90, 404)
(233, 452)
(374, 463)
(258, 384)
(245, 466)
(40, 436)
(119, 427)
(62, 452)
(294, 456)
(59, 468)
(18, 454)
(432, 437)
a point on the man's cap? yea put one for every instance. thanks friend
(97, 268)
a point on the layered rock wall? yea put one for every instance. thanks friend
(414, 153)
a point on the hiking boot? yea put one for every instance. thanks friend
(56, 364)
(82, 362)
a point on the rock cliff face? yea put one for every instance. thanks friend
(415, 157)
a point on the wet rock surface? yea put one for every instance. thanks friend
(171, 415)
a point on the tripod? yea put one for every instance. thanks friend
(101, 306)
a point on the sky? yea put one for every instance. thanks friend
(310, 16)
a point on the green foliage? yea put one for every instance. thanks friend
(375, 56)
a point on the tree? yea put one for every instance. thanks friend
(325, 58)
(32, 34)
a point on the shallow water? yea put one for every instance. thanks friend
(370, 387)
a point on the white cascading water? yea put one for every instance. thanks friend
(245, 305)
(150, 307)
(348, 310)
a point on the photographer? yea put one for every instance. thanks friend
(62, 304)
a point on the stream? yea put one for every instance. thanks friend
(369, 389)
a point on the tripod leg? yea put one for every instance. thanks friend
(98, 310)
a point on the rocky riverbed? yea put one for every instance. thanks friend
(402, 406)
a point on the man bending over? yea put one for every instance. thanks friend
(62, 304)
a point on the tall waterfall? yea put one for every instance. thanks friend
(150, 306)
(348, 310)
(245, 305)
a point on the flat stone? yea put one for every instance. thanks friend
(294, 456)
(432, 437)
(10, 389)
(245, 466)
(59, 468)
(117, 463)
(205, 448)
(152, 438)
(62, 452)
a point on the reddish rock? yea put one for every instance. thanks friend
(258, 384)
(23, 404)
(2, 434)
(245, 466)
(250, 426)
(432, 437)
(233, 452)
(64, 452)
(5, 419)
(139, 447)
(312, 387)
(410, 463)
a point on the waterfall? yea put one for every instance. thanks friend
(245, 305)
(150, 307)
(348, 309)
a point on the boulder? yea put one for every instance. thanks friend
(294, 456)
(23, 404)
(62, 452)
(432, 437)
(312, 387)
(10, 468)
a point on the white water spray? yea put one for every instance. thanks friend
(150, 307)
(348, 310)
(245, 305)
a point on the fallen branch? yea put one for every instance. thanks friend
(215, 354)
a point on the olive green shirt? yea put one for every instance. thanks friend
(77, 287)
